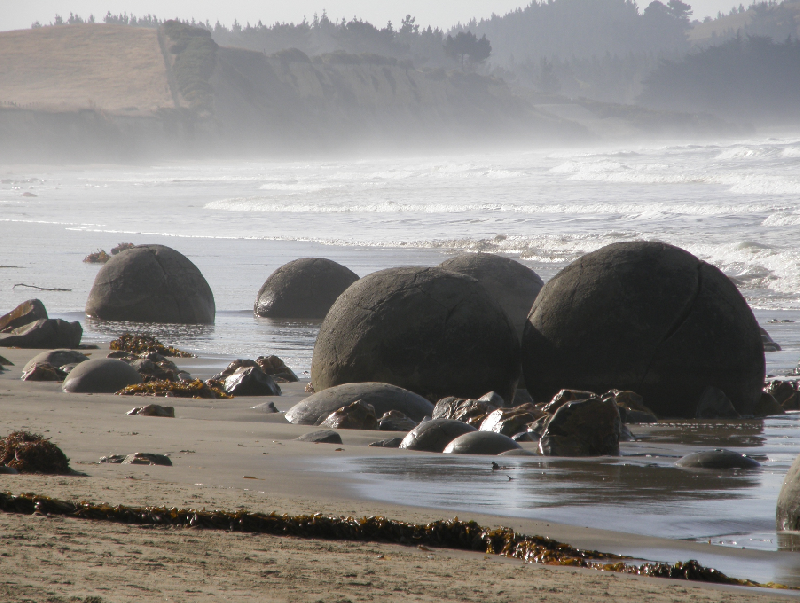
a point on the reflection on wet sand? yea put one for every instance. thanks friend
(641, 491)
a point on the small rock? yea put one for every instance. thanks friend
(153, 410)
(718, 459)
(394, 420)
(42, 371)
(767, 405)
(57, 358)
(46, 333)
(582, 428)
(122, 355)
(112, 458)
(358, 415)
(26, 313)
(461, 409)
(388, 443)
(146, 458)
(251, 381)
(510, 421)
(782, 390)
(494, 399)
(268, 407)
(277, 369)
(322, 436)
(769, 343)
(714, 404)
(564, 396)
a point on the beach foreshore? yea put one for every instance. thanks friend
(227, 455)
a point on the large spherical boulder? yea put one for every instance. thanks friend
(382, 396)
(511, 284)
(151, 283)
(428, 330)
(101, 376)
(304, 288)
(646, 317)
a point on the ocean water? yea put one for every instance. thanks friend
(735, 204)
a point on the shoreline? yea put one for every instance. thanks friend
(219, 446)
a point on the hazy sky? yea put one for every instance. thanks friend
(19, 14)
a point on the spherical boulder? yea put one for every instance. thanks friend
(382, 396)
(304, 288)
(481, 442)
(435, 435)
(151, 283)
(104, 375)
(428, 330)
(646, 317)
(512, 285)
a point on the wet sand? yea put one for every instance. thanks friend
(227, 455)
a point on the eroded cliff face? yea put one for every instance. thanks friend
(341, 100)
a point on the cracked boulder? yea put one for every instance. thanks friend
(511, 284)
(304, 288)
(428, 330)
(56, 358)
(151, 283)
(645, 317)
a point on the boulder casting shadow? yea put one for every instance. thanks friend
(646, 317)
(104, 375)
(151, 283)
(428, 330)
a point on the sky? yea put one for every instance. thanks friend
(19, 14)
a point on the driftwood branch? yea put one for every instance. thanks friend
(39, 288)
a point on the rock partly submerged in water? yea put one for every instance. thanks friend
(151, 283)
(481, 442)
(382, 396)
(714, 404)
(768, 406)
(303, 288)
(428, 330)
(717, 459)
(588, 427)
(647, 317)
(434, 435)
(104, 375)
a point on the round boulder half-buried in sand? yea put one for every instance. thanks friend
(428, 330)
(101, 376)
(151, 283)
(481, 442)
(304, 288)
(381, 396)
(645, 317)
(435, 435)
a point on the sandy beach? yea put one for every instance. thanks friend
(227, 455)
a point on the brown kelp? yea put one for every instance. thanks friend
(450, 533)
(176, 389)
(97, 257)
(32, 453)
(139, 344)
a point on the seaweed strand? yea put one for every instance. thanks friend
(448, 533)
